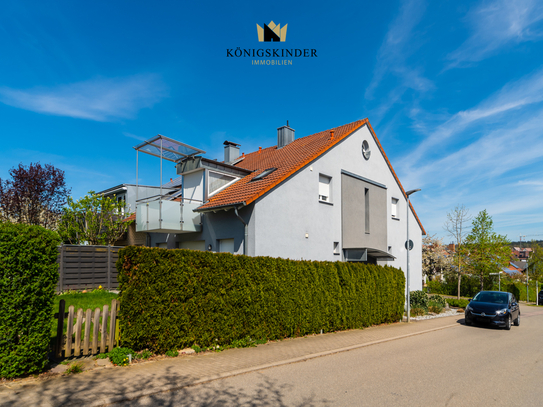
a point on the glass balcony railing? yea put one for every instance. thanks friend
(161, 216)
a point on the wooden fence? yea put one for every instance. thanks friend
(75, 341)
(86, 267)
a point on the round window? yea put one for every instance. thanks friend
(366, 150)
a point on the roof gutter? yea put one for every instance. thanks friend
(246, 226)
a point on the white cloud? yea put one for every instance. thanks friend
(496, 24)
(97, 99)
(514, 96)
(130, 135)
(397, 46)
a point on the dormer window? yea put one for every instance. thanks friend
(264, 174)
(219, 181)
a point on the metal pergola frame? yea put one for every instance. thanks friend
(177, 155)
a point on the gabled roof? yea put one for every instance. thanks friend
(287, 161)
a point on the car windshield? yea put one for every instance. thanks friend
(495, 298)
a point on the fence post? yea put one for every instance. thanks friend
(103, 342)
(69, 331)
(108, 267)
(112, 325)
(61, 269)
(95, 330)
(60, 328)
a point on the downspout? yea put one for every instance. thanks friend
(246, 231)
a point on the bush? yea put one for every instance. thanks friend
(438, 300)
(435, 307)
(144, 354)
(172, 353)
(179, 298)
(453, 302)
(417, 312)
(418, 299)
(119, 356)
(28, 276)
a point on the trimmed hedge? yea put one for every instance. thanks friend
(28, 276)
(453, 302)
(172, 299)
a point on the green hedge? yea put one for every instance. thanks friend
(469, 286)
(453, 302)
(172, 299)
(28, 276)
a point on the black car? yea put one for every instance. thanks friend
(540, 298)
(496, 308)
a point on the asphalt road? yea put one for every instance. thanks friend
(459, 366)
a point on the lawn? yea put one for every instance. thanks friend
(90, 300)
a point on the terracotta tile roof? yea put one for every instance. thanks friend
(131, 217)
(287, 161)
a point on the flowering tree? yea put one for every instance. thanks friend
(94, 219)
(34, 195)
(435, 259)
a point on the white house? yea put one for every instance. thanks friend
(330, 196)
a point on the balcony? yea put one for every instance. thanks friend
(160, 216)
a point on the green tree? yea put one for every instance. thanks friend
(486, 252)
(535, 262)
(94, 219)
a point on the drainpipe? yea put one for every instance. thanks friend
(246, 231)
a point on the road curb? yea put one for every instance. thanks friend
(163, 389)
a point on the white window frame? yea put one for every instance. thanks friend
(209, 194)
(325, 188)
(395, 208)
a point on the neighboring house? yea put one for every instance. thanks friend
(330, 196)
(515, 267)
(522, 254)
(129, 194)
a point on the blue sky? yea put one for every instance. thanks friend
(453, 90)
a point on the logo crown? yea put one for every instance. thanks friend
(271, 32)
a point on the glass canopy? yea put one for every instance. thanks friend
(167, 148)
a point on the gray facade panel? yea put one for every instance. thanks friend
(362, 202)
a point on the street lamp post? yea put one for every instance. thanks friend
(408, 247)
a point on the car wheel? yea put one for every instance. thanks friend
(517, 320)
(508, 323)
(467, 321)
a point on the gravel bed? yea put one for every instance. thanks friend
(443, 314)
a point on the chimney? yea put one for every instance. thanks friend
(231, 151)
(285, 135)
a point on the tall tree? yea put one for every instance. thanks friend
(485, 250)
(457, 227)
(94, 219)
(535, 262)
(34, 195)
(435, 259)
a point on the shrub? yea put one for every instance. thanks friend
(119, 356)
(172, 353)
(418, 299)
(438, 299)
(435, 307)
(179, 298)
(417, 312)
(453, 302)
(144, 354)
(28, 276)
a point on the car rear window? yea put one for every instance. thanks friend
(496, 298)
